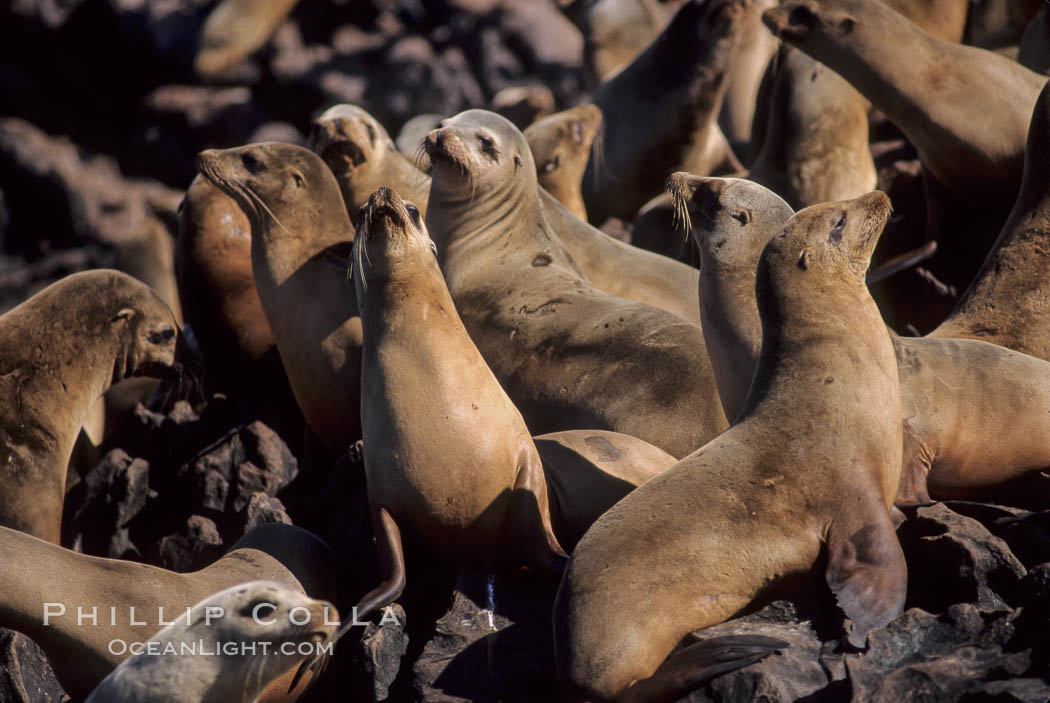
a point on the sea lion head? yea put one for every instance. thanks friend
(731, 219)
(282, 188)
(799, 21)
(129, 311)
(478, 154)
(564, 140)
(352, 143)
(832, 240)
(390, 236)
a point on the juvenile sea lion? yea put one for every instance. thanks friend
(235, 29)
(41, 579)
(975, 415)
(459, 472)
(561, 147)
(214, 270)
(720, 514)
(660, 111)
(301, 239)
(363, 157)
(268, 624)
(569, 355)
(966, 110)
(611, 265)
(60, 351)
(1009, 302)
(815, 148)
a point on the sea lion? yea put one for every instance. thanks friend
(1034, 51)
(235, 29)
(42, 579)
(975, 414)
(815, 148)
(660, 111)
(363, 157)
(432, 481)
(561, 147)
(268, 625)
(941, 94)
(569, 355)
(944, 19)
(524, 104)
(720, 514)
(755, 47)
(61, 350)
(611, 265)
(614, 31)
(998, 24)
(217, 291)
(301, 239)
(1009, 302)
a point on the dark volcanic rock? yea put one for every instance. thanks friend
(25, 674)
(194, 547)
(107, 500)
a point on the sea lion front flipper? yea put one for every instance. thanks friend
(690, 666)
(530, 528)
(391, 566)
(866, 569)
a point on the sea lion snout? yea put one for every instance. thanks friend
(164, 334)
(342, 137)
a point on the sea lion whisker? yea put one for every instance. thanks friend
(255, 197)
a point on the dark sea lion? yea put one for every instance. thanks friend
(235, 29)
(569, 355)
(561, 146)
(660, 111)
(815, 148)
(269, 624)
(301, 239)
(1009, 302)
(998, 24)
(1034, 51)
(975, 415)
(41, 579)
(751, 508)
(363, 157)
(61, 350)
(614, 31)
(217, 290)
(611, 265)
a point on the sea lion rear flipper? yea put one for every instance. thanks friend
(866, 570)
(690, 666)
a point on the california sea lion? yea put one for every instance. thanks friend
(60, 351)
(235, 29)
(966, 110)
(720, 514)
(363, 157)
(755, 47)
(611, 265)
(301, 239)
(614, 31)
(944, 19)
(458, 473)
(1009, 302)
(561, 147)
(43, 579)
(269, 625)
(569, 355)
(660, 111)
(217, 290)
(975, 414)
(815, 148)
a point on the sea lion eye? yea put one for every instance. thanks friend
(300, 182)
(413, 212)
(371, 132)
(847, 25)
(251, 163)
(577, 132)
(836, 232)
(552, 164)
(801, 15)
(744, 217)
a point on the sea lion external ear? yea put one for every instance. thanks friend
(803, 259)
(125, 314)
(517, 162)
(866, 568)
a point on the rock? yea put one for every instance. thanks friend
(379, 652)
(109, 498)
(955, 559)
(194, 547)
(265, 449)
(263, 509)
(25, 674)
